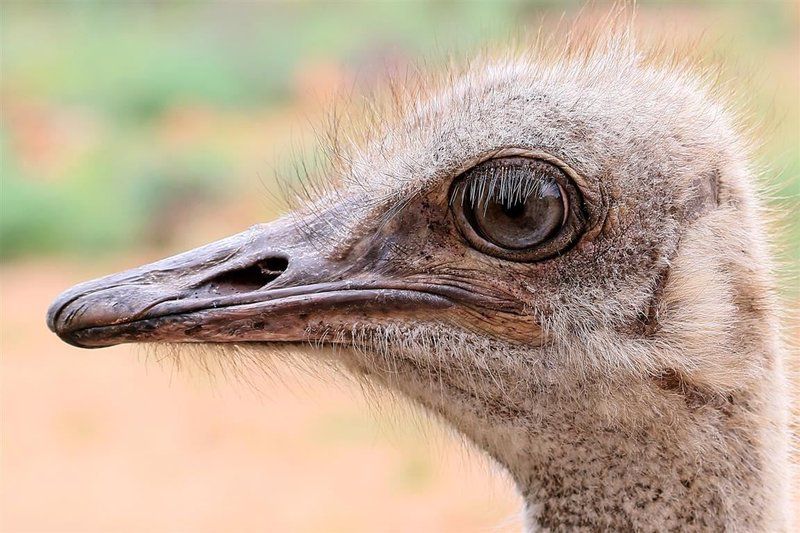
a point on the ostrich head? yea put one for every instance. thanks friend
(562, 258)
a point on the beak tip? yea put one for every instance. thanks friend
(54, 320)
(71, 312)
(54, 312)
(63, 328)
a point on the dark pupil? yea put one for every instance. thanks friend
(514, 210)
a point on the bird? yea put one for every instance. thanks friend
(562, 253)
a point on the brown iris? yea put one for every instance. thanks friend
(519, 223)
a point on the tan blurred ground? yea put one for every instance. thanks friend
(104, 441)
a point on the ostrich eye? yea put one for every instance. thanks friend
(517, 208)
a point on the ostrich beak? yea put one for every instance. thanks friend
(267, 284)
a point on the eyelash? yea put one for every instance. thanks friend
(506, 184)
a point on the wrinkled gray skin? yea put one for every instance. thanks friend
(633, 382)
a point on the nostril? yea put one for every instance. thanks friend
(247, 278)
(275, 264)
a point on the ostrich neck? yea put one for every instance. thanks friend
(596, 459)
(710, 468)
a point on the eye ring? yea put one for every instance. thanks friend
(534, 236)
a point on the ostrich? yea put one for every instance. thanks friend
(561, 255)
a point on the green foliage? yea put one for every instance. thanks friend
(120, 73)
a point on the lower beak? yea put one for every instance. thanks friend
(266, 284)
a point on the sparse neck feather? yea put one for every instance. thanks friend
(614, 458)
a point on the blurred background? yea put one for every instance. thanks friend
(135, 130)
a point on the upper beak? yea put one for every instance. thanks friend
(266, 284)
